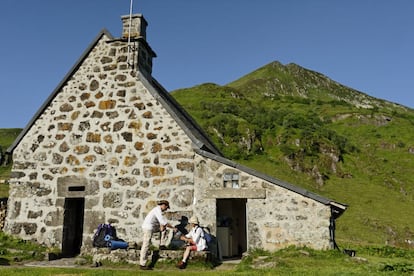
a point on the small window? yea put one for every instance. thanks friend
(231, 180)
(76, 188)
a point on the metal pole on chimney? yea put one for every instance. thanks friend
(129, 33)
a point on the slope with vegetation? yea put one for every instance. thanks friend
(7, 136)
(302, 127)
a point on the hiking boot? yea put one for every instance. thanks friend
(181, 265)
(144, 267)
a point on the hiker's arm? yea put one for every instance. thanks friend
(186, 238)
(163, 227)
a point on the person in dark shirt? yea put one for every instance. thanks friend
(181, 229)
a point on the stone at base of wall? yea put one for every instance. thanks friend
(131, 256)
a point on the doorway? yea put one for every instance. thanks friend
(72, 226)
(231, 227)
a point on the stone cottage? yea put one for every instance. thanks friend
(110, 141)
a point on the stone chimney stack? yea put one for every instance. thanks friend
(137, 27)
(141, 55)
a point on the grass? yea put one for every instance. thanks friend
(4, 190)
(14, 250)
(369, 260)
(104, 272)
(7, 136)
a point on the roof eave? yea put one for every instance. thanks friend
(337, 206)
(197, 135)
(57, 89)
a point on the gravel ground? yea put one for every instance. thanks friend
(63, 262)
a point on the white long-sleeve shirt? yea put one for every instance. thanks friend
(154, 219)
(196, 234)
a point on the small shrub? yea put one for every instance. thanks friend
(398, 267)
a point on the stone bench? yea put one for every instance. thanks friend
(131, 255)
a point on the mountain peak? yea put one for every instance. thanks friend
(276, 79)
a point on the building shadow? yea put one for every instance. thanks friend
(154, 258)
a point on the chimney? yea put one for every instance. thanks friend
(141, 55)
(135, 24)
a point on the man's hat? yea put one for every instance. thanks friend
(183, 219)
(161, 202)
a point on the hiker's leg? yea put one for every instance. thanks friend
(187, 252)
(146, 240)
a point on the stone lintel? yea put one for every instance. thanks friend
(235, 193)
(71, 186)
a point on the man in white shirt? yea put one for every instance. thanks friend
(153, 222)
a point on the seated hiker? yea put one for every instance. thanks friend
(181, 229)
(194, 239)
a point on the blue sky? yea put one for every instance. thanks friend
(364, 44)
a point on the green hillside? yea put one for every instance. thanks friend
(302, 127)
(7, 136)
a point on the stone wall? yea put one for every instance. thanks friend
(277, 216)
(105, 132)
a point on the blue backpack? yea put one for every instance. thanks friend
(103, 234)
(206, 235)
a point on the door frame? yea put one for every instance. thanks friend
(72, 228)
(231, 214)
